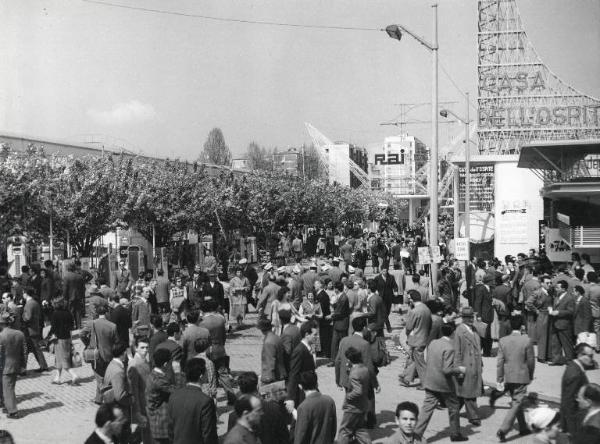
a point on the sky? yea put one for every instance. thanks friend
(161, 82)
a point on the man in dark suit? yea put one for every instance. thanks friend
(74, 292)
(214, 322)
(109, 424)
(14, 347)
(358, 342)
(213, 290)
(121, 317)
(301, 361)
(325, 325)
(115, 378)
(272, 428)
(573, 379)
(191, 334)
(272, 355)
(249, 273)
(561, 325)
(192, 414)
(386, 287)
(356, 402)
(172, 342)
(440, 385)
(418, 326)
(248, 409)
(482, 305)
(316, 421)
(32, 315)
(290, 336)
(376, 309)
(101, 334)
(340, 318)
(515, 367)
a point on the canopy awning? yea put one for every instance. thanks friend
(557, 155)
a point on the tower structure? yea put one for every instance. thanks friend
(520, 99)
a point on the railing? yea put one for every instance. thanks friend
(585, 237)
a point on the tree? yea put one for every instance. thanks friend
(215, 149)
(314, 168)
(259, 158)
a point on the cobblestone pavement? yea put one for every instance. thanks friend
(65, 413)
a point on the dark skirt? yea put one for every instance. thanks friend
(62, 354)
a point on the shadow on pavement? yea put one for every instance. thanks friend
(28, 396)
(41, 408)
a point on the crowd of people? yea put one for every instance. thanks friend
(158, 345)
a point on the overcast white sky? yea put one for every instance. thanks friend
(161, 81)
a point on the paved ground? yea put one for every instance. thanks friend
(65, 413)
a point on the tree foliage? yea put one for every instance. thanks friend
(259, 158)
(89, 196)
(215, 149)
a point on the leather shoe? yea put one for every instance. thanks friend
(493, 399)
(458, 438)
(475, 422)
(501, 436)
(525, 432)
(14, 415)
(403, 381)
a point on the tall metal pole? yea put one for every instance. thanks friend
(433, 159)
(51, 240)
(467, 178)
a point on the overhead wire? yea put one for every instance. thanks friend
(231, 20)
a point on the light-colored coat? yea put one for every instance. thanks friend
(418, 325)
(440, 367)
(467, 349)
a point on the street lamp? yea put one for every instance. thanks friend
(445, 113)
(395, 32)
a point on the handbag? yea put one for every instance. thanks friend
(91, 354)
(480, 328)
(76, 359)
(274, 391)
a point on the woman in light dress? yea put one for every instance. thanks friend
(238, 286)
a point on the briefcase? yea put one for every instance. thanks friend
(274, 391)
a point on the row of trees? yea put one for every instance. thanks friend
(88, 197)
(216, 151)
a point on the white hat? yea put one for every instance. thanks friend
(351, 269)
(243, 261)
(313, 265)
(296, 269)
(268, 266)
(325, 267)
(281, 269)
(336, 259)
(541, 417)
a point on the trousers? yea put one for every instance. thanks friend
(335, 341)
(415, 364)
(518, 393)
(561, 345)
(353, 429)
(8, 388)
(430, 403)
(33, 345)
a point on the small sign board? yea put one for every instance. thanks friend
(461, 249)
(424, 255)
(436, 255)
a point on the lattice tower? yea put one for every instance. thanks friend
(520, 99)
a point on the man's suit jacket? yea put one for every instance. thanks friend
(341, 362)
(322, 297)
(31, 317)
(341, 314)
(301, 361)
(215, 324)
(240, 434)
(215, 292)
(516, 359)
(386, 287)
(121, 317)
(358, 390)
(189, 337)
(267, 297)
(192, 417)
(566, 310)
(116, 378)
(573, 379)
(272, 359)
(73, 287)
(106, 332)
(290, 338)
(441, 368)
(503, 293)
(482, 303)
(377, 313)
(418, 325)
(317, 421)
(14, 348)
(335, 274)
(308, 281)
(583, 316)
(173, 347)
(138, 371)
